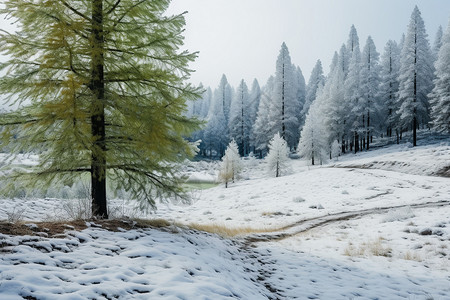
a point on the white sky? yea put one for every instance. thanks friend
(242, 38)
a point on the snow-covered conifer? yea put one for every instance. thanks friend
(440, 96)
(437, 43)
(224, 94)
(370, 85)
(389, 87)
(240, 123)
(230, 166)
(316, 79)
(285, 109)
(352, 94)
(416, 75)
(278, 156)
(313, 137)
(255, 99)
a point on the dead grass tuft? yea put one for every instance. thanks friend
(226, 231)
(412, 256)
(375, 248)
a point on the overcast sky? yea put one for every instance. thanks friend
(242, 38)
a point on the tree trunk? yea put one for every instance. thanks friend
(368, 130)
(356, 142)
(98, 157)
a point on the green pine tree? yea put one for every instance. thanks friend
(100, 86)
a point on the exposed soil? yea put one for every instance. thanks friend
(56, 229)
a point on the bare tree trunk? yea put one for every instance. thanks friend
(98, 157)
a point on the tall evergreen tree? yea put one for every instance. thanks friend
(316, 79)
(440, 95)
(370, 86)
(416, 74)
(262, 130)
(240, 123)
(300, 94)
(353, 107)
(101, 88)
(285, 103)
(313, 142)
(255, 99)
(437, 43)
(390, 67)
(224, 93)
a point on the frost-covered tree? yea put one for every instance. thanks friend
(344, 58)
(353, 107)
(224, 94)
(240, 123)
(416, 75)
(101, 90)
(278, 156)
(353, 40)
(316, 79)
(216, 131)
(230, 166)
(335, 149)
(205, 102)
(200, 110)
(285, 109)
(300, 94)
(314, 138)
(437, 43)
(440, 95)
(390, 67)
(332, 103)
(262, 130)
(370, 88)
(255, 99)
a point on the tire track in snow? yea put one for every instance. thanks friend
(308, 224)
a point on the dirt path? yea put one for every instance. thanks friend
(308, 224)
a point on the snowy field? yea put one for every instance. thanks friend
(370, 226)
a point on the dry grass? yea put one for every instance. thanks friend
(226, 231)
(412, 256)
(375, 248)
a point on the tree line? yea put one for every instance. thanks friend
(365, 95)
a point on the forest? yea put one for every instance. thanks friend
(366, 95)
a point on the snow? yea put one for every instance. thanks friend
(370, 226)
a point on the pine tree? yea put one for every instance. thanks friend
(278, 156)
(262, 130)
(255, 99)
(285, 104)
(313, 137)
(353, 106)
(440, 95)
(437, 43)
(416, 74)
(224, 93)
(389, 87)
(370, 86)
(240, 123)
(231, 164)
(316, 79)
(300, 93)
(216, 131)
(101, 91)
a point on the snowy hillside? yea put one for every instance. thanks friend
(371, 226)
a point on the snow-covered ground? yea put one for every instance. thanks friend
(398, 253)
